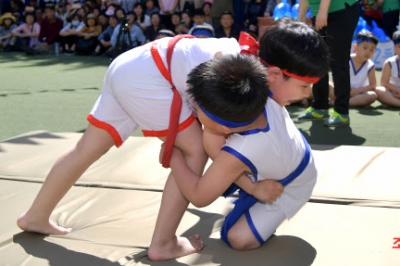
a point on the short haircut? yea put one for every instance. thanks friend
(233, 87)
(226, 12)
(366, 36)
(199, 12)
(296, 47)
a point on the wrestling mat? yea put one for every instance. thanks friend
(353, 217)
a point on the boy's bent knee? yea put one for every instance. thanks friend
(241, 241)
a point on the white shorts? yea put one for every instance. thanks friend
(124, 106)
(264, 221)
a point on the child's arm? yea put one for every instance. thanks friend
(202, 191)
(261, 190)
(385, 79)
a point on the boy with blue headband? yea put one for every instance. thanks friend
(362, 72)
(389, 91)
(248, 131)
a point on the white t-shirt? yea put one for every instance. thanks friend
(395, 70)
(359, 77)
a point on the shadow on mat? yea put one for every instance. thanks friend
(281, 250)
(56, 255)
(29, 138)
(319, 134)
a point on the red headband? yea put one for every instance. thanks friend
(250, 46)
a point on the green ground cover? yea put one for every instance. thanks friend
(56, 93)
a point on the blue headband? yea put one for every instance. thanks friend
(202, 32)
(366, 39)
(224, 122)
(396, 41)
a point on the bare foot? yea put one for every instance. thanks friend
(177, 247)
(49, 228)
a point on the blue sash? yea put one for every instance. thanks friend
(246, 201)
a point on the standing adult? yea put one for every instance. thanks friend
(336, 21)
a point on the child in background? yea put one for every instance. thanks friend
(389, 91)
(362, 72)
(258, 138)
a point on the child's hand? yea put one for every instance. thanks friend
(267, 190)
(176, 154)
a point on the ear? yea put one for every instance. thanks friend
(274, 73)
(355, 48)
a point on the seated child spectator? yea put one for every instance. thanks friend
(27, 34)
(151, 7)
(199, 19)
(50, 28)
(152, 30)
(389, 91)
(70, 33)
(128, 37)
(104, 38)
(61, 11)
(176, 22)
(7, 25)
(202, 31)
(87, 41)
(102, 19)
(362, 72)
(39, 14)
(247, 133)
(186, 23)
(227, 28)
(142, 20)
(207, 12)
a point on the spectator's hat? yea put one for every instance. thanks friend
(91, 16)
(7, 15)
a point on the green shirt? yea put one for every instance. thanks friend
(336, 5)
(390, 5)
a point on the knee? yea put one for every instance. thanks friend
(372, 96)
(241, 241)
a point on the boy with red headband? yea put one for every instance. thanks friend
(248, 133)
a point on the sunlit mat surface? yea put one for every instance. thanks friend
(353, 218)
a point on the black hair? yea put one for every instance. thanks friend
(154, 13)
(30, 14)
(396, 35)
(199, 12)
(296, 47)
(233, 87)
(226, 12)
(143, 13)
(365, 35)
(205, 4)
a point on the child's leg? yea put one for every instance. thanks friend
(386, 97)
(363, 99)
(255, 227)
(65, 172)
(165, 244)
